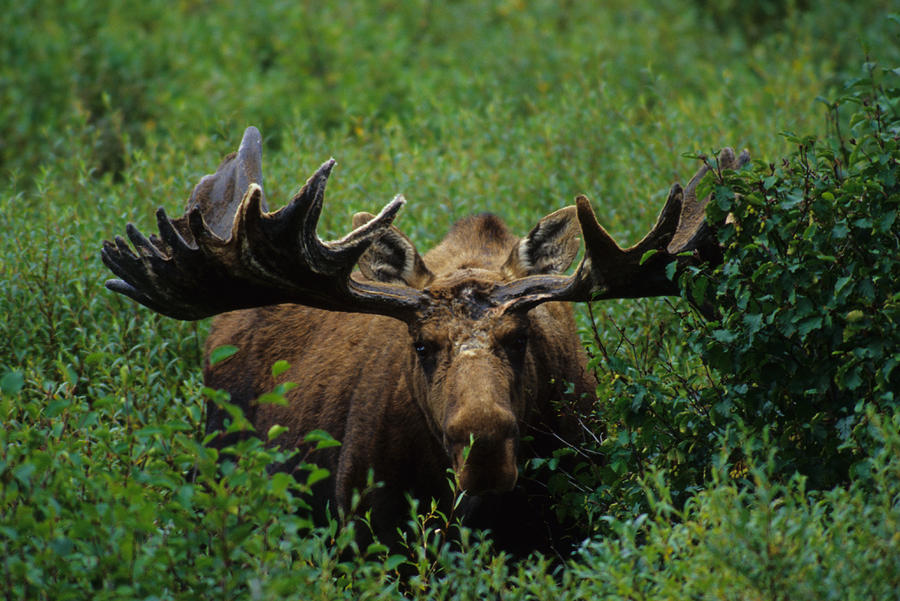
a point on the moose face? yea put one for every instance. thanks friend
(469, 369)
(469, 380)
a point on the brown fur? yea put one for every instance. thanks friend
(486, 375)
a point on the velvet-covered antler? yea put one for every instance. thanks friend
(608, 271)
(227, 252)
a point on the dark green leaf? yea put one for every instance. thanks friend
(11, 383)
(221, 353)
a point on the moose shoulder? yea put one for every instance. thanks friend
(456, 359)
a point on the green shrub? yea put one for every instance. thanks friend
(810, 332)
(763, 537)
(806, 337)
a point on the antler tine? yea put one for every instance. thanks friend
(641, 269)
(606, 269)
(692, 228)
(198, 267)
(218, 196)
(680, 228)
(296, 227)
(609, 271)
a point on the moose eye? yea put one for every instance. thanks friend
(424, 349)
(426, 354)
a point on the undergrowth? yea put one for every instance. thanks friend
(754, 455)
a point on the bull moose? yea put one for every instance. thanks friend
(466, 357)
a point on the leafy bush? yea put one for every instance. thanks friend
(806, 339)
(810, 337)
(763, 537)
(106, 490)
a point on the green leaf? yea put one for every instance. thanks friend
(809, 324)
(220, 353)
(24, 472)
(276, 431)
(393, 562)
(11, 383)
(887, 221)
(753, 322)
(646, 256)
(185, 494)
(850, 378)
(285, 387)
(281, 481)
(56, 407)
(724, 336)
(322, 439)
(318, 474)
(670, 270)
(810, 231)
(840, 231)
(272, 398)
(67, 372)
(280, 367)
(96, 358)
(376, 549)
(841, 283)
(724, 197)
(854, 315)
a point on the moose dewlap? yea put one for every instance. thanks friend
(416, 363)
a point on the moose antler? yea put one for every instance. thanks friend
(608, 271)
(227, 252)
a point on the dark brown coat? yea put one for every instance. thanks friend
(396, 411)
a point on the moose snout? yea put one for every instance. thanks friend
(484, 454)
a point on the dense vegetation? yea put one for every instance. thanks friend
(753, 453)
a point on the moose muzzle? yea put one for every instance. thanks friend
(487, 468)
(480, 424)
(482, 443)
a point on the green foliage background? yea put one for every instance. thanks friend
(751, 456)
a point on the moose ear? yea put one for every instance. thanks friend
(550, 247)
(392, 258)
